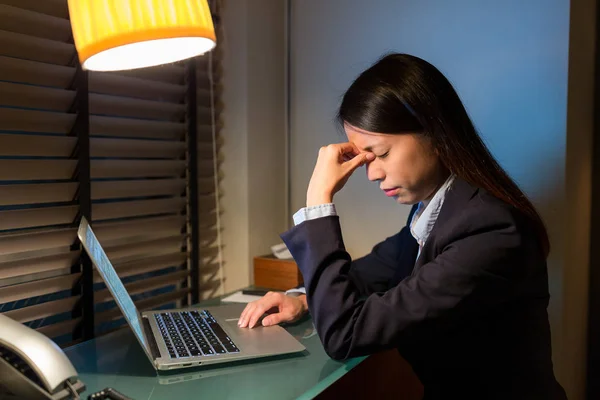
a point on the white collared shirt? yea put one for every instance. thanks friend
(427, 213)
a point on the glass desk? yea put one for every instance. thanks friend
(117, 360)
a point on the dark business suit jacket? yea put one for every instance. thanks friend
(470, 315)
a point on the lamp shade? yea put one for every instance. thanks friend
(115, 35)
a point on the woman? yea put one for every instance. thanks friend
(462, 289)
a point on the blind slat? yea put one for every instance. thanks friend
(103, 104)
(163, 73)
(144, 305)
(33, 23)
(136, 168)
(110, 83)
(35, 242)
(36, 145)
(137, 208)
(139, 229)
(37, 193)
(43, 310)
(56, 8)
(148, 264)
(59, 329)
(18, 219)
(123, 127)
(122, 189)
(157, 247)
(27, 270)
(145, 285)
(38, 288)
(28, 96)
(35, 73)
(35, 121)
(35, 49)
(19, 170)
(101, 147)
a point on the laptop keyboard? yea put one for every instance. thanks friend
(193, 334)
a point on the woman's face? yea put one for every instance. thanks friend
(406, 165)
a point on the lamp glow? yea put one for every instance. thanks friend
(113, 35)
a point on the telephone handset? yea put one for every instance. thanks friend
(33, 366)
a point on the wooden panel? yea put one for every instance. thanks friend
(17, 219)
(38, 288)
(136, 169)
(123, 127)
(43, 310)
(102, 104)
(56, 8)
(57, 262)
(36, 49)
(32, 23)
(148, 264)
(28, 96)
(142, 188)
(35, 73)
(128, 148)
(35, 242)
(37, 193)
(36, 145)
(17, 170)
(137, 208)
(111, 83)
(35, 121)
(145, 285)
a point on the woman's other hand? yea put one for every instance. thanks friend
(335, 164)
(284, 309)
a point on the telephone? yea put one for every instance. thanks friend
(33, 366)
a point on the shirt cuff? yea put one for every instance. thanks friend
(313, 212)
(296, 291)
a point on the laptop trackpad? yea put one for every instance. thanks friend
(260, 339)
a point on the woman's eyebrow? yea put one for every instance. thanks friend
(370, 148)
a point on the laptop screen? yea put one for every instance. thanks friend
(112, 280)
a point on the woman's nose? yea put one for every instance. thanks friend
(374, 173)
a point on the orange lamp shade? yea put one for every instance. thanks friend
(113, 35)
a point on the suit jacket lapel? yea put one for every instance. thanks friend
(456, 198)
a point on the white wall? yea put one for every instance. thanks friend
(253, 187)
(508, 61)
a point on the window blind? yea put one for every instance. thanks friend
(136, 126)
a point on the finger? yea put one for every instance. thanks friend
(348, 147)
(265, 304)
(275, 319)
(242, 322)
(245, 311)
(360, 160)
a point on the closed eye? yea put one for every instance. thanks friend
(384, 155)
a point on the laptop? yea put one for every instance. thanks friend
(191, 336)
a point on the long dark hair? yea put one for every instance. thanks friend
(401, 93)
